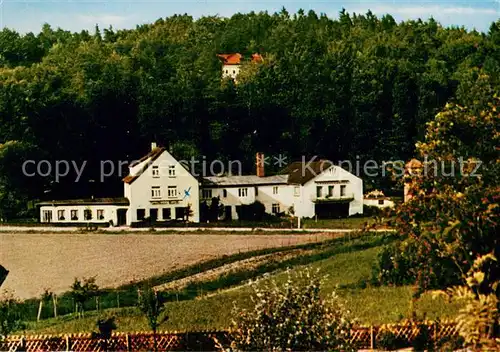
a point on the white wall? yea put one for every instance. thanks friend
(387, 203)
(110, 213)
(265, 195)
(304, 204)
(139, 191)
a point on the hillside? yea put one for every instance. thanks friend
(354, 88)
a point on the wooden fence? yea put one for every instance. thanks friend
(363, 337)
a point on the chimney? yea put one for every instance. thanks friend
(260, 164)
(153, 146)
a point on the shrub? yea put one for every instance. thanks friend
(388, 340)
(292, 317)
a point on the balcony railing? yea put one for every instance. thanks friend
(348, 197)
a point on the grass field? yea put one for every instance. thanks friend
(345, 264)
(52, 261)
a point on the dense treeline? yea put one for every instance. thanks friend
(358, 88)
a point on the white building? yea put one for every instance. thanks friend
(231, 64)
(317, 188)
(93, 210)
(378, 199)
(158, 188)
(161, 189)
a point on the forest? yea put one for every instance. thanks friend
(356, 87)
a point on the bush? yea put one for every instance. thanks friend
(292, 317)
(251, 212)
(10, 315)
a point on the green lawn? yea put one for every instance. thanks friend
(347, 223)
(345, 270)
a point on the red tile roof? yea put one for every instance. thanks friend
(236, 58)
(154, 154)
(231, 59)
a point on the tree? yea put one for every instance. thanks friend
(452, 217)
(10, 315)
(82, 291)
(152, 304)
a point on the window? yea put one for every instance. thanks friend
(74, 215)
(156, 171)
(275, 208)
(172, 191)
(227, 71)
(342, 190)
(256, 191)
(242, 192)
(47, 215)
(171, 171)
(155, 192)
(87, 214)
(180, 212)
(60, 214)
(319, 191)
(330, 191)
(275, 190)
(100, 214)
(296, 191)
(166, 213)
(224, 193)
(141, 214)
(381, 202)
(206, 194)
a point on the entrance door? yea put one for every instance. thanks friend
(153, 214)
(121, 215)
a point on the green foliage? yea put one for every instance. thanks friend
(479, 317)
(251, 212)
(453, 214)
(293, 317)
(10, 315)
(82, 291)
(106, 95)
(389, 341)
(152, 304)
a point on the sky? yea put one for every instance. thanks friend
(75, 15)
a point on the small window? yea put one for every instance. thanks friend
(87, 214)
(156, 171)
(100, 214)
(330, 191)
(141, 214)
(172, 191)
(206, 194)
(171, 171)
(227, 71)
(342, 190)
(155, 192)
(74, 215)
(166, 213)
(296, 191)
(275, 190)
(60, 215)
(256, 191)
(275, 208)
(234, 72)
(47, 215)
(319, 191)
(224, 193)
(242, 192)
(381, 202)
